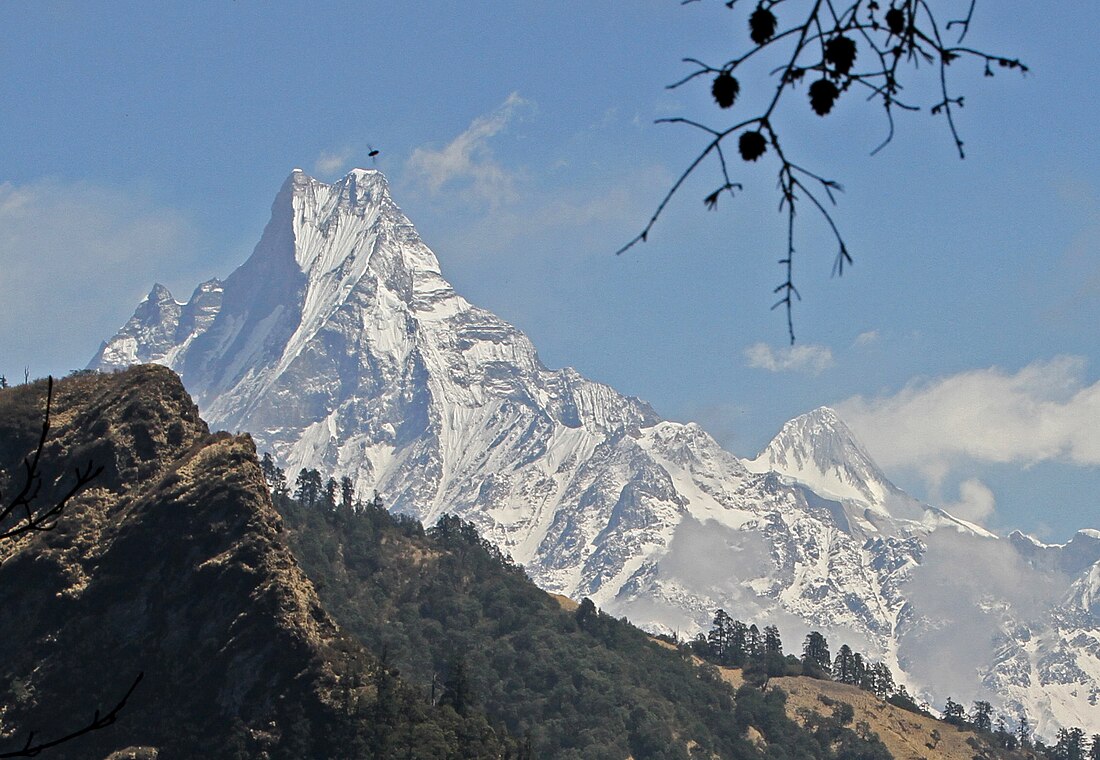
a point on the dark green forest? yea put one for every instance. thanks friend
(466, 631)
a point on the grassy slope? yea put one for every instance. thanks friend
(907, 735)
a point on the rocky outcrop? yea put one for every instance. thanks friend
(173, 564)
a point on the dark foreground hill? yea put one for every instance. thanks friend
(420, 644)
(173, 564)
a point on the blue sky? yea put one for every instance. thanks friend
(146, 144)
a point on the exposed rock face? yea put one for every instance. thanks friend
(161, 327)
(172, 564)
(340, 346)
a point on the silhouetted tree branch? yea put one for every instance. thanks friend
(824, 46)
(33, 749)
(20, 516)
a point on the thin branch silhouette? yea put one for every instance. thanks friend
(825, 45)
(21, 510)
(32, 749)
(21, 516)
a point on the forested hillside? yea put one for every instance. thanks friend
(466, 627)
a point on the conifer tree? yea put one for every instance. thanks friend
(456, 688)
(267, 466)
(385, 713)
(844, 666)
(347, 494)
(1070, 745)
(954, 713)
(301, 487)
(981, 716)
(1023, 731)
(754, 643)
(816, 660)
(718, 640)
(586, 611)
(880, 680)
(773, 645)
(308, 487)
(859, 668)
(1005, 738)
(280, 489)
(274, 476)
(701, 646)
(738, 643)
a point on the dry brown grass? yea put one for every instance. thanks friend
(907, 735)
(565, 602)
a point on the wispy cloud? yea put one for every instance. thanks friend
(1043, 412)
(468, 161)
(74, 259)
(804, 358)
(976, 502)
(331, 162)
(947, 652)
(867, 338)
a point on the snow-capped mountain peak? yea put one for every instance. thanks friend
(818, 450)
(340, 346)
(1075, 556)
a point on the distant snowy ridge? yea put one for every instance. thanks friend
(339, 345)
(161, 327)
(819, 450)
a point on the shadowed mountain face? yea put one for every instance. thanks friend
(173, 563)
(340, 346)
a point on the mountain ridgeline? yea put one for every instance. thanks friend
(422, 644)
(340, 347)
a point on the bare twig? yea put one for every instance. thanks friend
(22, 507)
(28, 517)
(825, 44)
(33, 749)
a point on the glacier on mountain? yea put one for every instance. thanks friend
(339, 345)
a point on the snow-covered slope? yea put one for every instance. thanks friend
(339, 345)
(819, 450)
(161, 327)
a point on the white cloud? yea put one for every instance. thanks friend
(332, 162)
(75, 258)
(468, 160)
(803, 358)
(953, 585)
(976, 502)
(1045, 411)
(867, 338)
